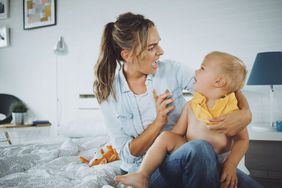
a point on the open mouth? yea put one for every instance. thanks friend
(155, 64)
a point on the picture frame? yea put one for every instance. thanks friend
(4, 9)
(4, 37)
(39, 13)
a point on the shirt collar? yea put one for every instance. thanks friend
(123, 83)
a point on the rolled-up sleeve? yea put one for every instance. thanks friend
(120, 138)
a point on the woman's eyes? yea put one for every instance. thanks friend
(151, 49)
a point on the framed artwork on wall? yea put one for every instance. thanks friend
(4, 9)
(4, 37)
(38, 14)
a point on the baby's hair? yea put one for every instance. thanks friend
(233, 68)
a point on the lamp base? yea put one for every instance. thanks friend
(278, 125)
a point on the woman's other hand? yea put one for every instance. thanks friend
(163, 108)
(232, 123)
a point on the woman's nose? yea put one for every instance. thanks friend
(160, 51)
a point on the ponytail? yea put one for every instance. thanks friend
(106, 65)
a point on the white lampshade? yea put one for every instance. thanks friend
(60, 47)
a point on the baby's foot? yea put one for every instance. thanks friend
(137, 180)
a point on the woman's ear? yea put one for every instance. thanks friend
(126, 55)
(220, 82)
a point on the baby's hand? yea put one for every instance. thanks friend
(228, 176)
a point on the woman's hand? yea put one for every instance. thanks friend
(228, 177)
(139, 145)
(232, 123)
(163, 108)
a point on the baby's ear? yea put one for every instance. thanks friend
(220, 82)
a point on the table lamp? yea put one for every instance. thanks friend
(267, 70)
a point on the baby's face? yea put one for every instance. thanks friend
(206, 75)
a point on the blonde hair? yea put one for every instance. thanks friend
(232, 68)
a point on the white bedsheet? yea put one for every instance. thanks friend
(55, 164)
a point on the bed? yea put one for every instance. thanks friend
(54, 162)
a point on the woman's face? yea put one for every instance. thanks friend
(146, 62)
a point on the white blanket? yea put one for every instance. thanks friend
(55, 164)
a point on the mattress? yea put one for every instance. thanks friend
(55, 163)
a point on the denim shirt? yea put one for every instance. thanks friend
(122, 117)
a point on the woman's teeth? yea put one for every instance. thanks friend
(155, 64)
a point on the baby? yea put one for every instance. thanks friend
(220, 75)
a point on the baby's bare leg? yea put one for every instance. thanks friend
(165, 143)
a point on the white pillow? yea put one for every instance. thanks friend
(83, 128)
(68, 148)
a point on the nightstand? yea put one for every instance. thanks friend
(263, 158)
(20, 134)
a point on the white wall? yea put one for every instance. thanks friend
(189, 30)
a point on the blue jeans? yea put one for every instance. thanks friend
(245, 181)
(194, 165)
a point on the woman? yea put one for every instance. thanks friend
(141, 96)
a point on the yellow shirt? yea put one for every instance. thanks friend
(222, 106)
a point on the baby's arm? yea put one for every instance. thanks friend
(238, 150)
(181, 126)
